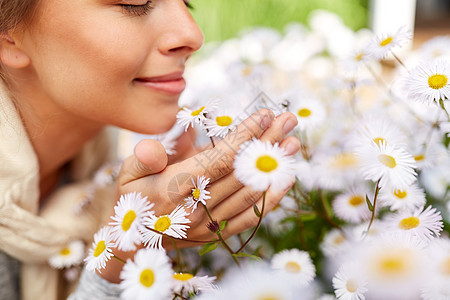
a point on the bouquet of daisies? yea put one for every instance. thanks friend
(369, 212)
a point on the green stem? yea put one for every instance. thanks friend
(399, 60)
(374, 206)
(219, 235)
(182, 239)
(441, 104)
(119, 259)
(326, 215)
(179, 259)
(257, 225)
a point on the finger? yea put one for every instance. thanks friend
(282, 125)
(218, 162)
(228, 185)
(235, 204)
(247, 219)
(149, 158)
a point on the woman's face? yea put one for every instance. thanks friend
(116, 62)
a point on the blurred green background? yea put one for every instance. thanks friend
(223, 19)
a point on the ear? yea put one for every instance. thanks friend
(10, 54)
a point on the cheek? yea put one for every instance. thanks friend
(89, 58)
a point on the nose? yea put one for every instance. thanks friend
(183, 36)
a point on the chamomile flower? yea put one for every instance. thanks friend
(222, 121)
(335, 242)
(383, 44)
(189, 116)
(255, 282)
(351, 206)
(394, 263)
(188, 283)
(393, 166)
(438, 287)
(101, 250)
(129, 215)
(429, 82)
(310, 113)
(349, 283)
(407, 198)
(149, 276)
(173, 225)
(260, 165)
(199, 193)
(107, 174)
(68, 256)
(437, 47)
(297, 264)
(354, 62)
(336, 171)
(425, 224)
(377, 128)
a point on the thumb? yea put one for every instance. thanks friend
(149, 158)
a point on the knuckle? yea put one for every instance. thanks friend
(251, 196)
(223, 166)
(251, 222)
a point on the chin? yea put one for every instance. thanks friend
(158, 125)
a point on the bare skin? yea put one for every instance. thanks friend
(103, 61)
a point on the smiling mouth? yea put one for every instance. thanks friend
(173, 84)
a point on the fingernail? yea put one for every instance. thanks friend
(289, 125)
(292, 148)
(267, 121)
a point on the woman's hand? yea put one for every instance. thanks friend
(167, 186)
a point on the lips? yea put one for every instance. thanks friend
(173, 84)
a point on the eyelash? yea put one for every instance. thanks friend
(141, 10)
(137, 10)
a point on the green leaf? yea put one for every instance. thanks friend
(243, 254)
(256, 210)
(308, 217)
(208, 248)
(223, 224)
(369, 204)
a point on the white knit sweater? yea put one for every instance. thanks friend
(29, 233)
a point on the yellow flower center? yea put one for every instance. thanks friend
(65, 251)
(128, 219)
(392, 265)
(400, 194)
(437, 81)
(224, 120)
(304, 112)
(197, 112)
(99, 249)
(196, 194)
(379, 140)
(386, 42)
(268, 298)
(292, 267)
(409, 223)
(147, 278)
(419, 157)
(183, 276)
(445, 267)
(163, 223)
(246, 71)
(356, 200)
(344, 161)
(266, 163)
(359, 56)
(351, 285)
(387, 160)
(339, 239)
(109, 171)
